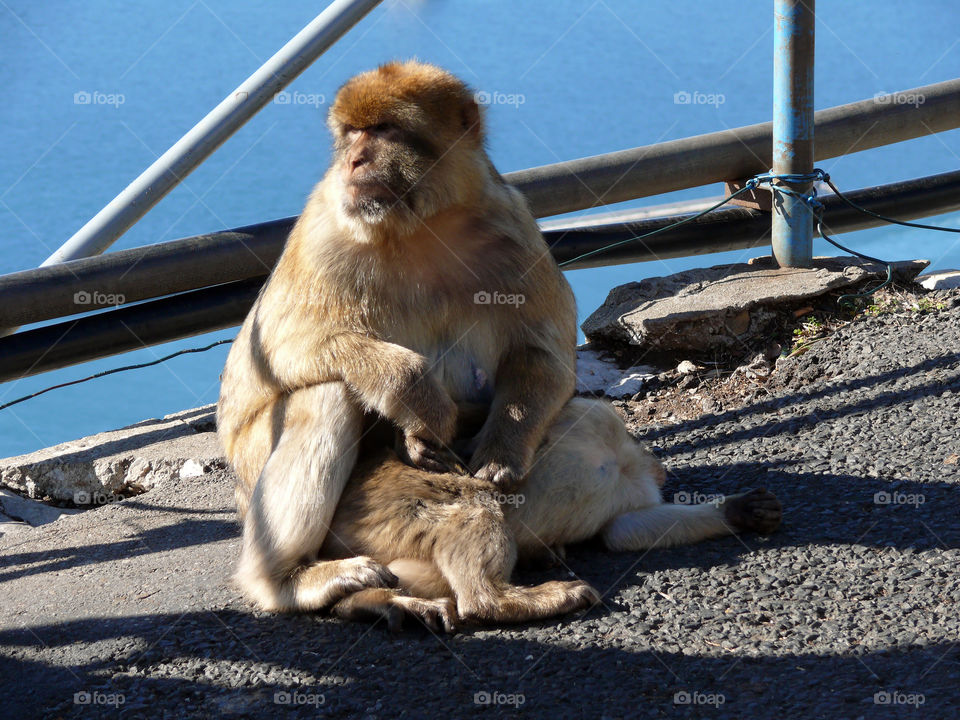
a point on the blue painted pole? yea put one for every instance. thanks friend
(792, 221)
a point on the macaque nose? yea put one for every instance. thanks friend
(358, 159)
(359, 155)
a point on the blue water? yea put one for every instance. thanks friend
(593, 76)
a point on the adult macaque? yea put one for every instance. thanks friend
(414, 280)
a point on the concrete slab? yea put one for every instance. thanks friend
(597, 373)
(11, 526)
(706, 308)
(121, 463)
(32, 512)
(942, 280)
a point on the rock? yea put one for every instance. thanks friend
(31, 512)
(111, 465)
(11, 526)
(942, 280)
(191, 469)
(688, 368)
(703, 309)
(596, 374)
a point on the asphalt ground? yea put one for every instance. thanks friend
(850, 610)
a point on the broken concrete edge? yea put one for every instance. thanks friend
(600, 374)
(18, 513)
(939, 280)
(112, 465)
(712, 308)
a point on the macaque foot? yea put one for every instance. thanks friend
(359, 573)
(375, 604)
(436, 615)
(757, 510)
(578, 595)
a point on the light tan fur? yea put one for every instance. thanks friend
(454, 539)
(372, 310)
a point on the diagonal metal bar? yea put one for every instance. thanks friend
(213, 130)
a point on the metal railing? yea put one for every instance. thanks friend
(202, 139)
(225, 304)
(197, 262)
(791, 224)
(211, 280)
(732, 154)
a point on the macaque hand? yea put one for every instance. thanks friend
(498, 467)
(430, 456)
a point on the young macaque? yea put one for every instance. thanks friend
(452, 541)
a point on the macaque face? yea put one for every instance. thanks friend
(408, 142)
(380, 167)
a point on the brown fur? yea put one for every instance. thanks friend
(453, 540)
(371, 311)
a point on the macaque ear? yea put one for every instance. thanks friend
(471, 119)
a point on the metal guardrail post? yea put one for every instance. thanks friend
(793, 43)
(208, 134)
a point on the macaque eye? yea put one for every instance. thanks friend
(384, 128)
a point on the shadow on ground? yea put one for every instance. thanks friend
(371, 671)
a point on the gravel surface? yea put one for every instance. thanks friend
(848, 611)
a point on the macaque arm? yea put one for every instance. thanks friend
(532, 384)
(386, 378)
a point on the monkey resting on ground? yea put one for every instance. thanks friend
(452, 542)
(414, 280)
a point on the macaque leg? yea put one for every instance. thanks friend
(476, 557)
(293, 503)
(472, 560)
(443, 536)
(671, 524)
(387, 604)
